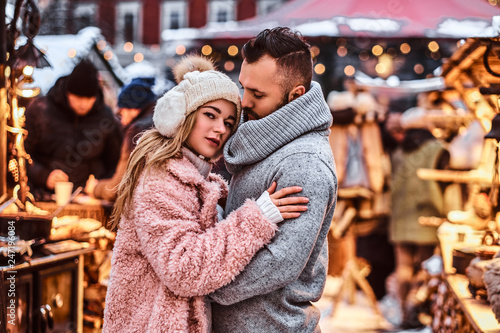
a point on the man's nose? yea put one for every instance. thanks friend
(245, 101)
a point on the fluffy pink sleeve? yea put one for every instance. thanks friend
(188, 259)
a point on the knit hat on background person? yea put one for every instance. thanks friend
(83, 80)
(137, 93)
(197, 84)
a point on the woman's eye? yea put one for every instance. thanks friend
(229, 124)
(210, 115)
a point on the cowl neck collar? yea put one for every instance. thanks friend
(256, 139)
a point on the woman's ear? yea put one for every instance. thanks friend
(296, 93)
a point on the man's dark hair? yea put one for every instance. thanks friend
(291, 51)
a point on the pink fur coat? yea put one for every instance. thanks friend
(172, 252)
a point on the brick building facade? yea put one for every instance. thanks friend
(142, 21)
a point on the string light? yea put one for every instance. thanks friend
(435, 55)
(180, 49)
(342, 51)
(315, 50)
(128, 47)
(229, 66)
(108, 55)
(232, 50)
(138, 57)
(418, 68)
(405, 48)
(71, 53)
(349, 70)
(341, 42)
(433, 46)
(364, 55)
(101, 45)
(392, 52)
(319, 69)
(206, 50)
(377, 50)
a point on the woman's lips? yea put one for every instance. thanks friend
(214, 142)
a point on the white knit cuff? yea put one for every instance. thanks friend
(268, 208)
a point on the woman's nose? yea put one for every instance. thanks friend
(220, 127)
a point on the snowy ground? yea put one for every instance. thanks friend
(358, 317)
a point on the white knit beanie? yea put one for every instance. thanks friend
(197, 83)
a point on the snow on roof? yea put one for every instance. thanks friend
(64, 51)
(58, 49)
(465, 28)
(395, 85)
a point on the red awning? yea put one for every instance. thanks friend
(371, 18)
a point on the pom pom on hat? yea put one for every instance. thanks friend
(137, 94)
(197, 84)
(83, 80)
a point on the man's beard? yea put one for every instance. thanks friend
(255, 116)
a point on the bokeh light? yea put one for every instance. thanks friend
(71, 53)
(319, 69)
(315, 51)
(101, 44)
(405, 48)
(433, 46)
(377, 50)
(364, 55)
(349, 70)
(232, 50)
(418, 69)
(229, 66)
(108, 55)
(128, 47)
(342, 51)
(206, 50)
(138, 57)
(180, 49)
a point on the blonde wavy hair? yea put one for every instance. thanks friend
(152, 150)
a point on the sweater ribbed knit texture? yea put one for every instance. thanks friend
(257, 139)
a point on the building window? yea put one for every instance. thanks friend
(128, 31)
(174, 14)
(221, 10)
(175, 20)
(222, 15)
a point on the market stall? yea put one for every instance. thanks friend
(54, 254)
(465, 295)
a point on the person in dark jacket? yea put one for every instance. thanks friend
(136, 104)
(71, 133)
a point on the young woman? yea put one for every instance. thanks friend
(170, 249)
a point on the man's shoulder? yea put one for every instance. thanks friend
(310, 151)
(309, 144)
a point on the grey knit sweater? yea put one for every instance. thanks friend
(275, 291)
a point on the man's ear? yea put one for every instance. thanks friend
(296, 93)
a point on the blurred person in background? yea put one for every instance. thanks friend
(411, 198)
(71, 133)
(135, 108)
